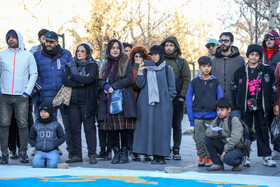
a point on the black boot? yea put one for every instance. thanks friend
(161, 160)
(116, 158)
(23, 158)
(13, 154)
(155, 159)
(108, 154)
(136, 157)
(5, 159)
(102, 153)
(124, 156)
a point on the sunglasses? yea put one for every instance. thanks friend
(269, 37)
(211, 45)
(224, 41)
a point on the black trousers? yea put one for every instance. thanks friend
(261, 128)
(178, 113)
(115, 137)
(77, 115)
(104, 139)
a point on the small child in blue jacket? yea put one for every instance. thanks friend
(201, 99)
(46, 135)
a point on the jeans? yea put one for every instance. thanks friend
(18, 104)
(215, 148)
(51, 159)
(178, 113)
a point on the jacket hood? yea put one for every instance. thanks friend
(20, 40)
(136, 48)
(277, 42)
(234, 52)
(173, 39)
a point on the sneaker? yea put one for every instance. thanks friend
(5, 159)
(23, 158)
(92, 159)
(176, 155)
(208, 162)
(13, 154)
(74, 159)
(240, 166)
(169, 157)
(136, 157)
(216, 167)
(267, 161)
(201, 162)
(275, 155)
(247, 162)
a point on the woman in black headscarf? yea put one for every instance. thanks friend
(117, 73)
(81, 75)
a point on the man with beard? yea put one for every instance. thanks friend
(18, 74)
(272, 57)
(226, 61)
(183, 76)
(51, 61)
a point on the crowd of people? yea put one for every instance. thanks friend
(136, 96)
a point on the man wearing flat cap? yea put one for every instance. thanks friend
(51, 61)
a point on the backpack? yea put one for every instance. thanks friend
(248, 134)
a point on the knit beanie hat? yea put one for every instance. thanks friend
(47, 106)
(204, 60)
(255, 48)
(11, 33)
(156, 49)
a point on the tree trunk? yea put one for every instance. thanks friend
(273, 14)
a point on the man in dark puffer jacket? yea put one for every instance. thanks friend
(46, 135)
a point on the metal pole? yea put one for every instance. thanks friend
(63, 39)
(256, 20)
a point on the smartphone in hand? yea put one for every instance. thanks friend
(149, 63)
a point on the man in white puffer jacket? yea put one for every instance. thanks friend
(18, 74)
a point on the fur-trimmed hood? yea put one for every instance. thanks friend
(136, 48)
(124, 60)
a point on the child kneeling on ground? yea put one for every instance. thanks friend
(206, 90)
(225, 145)
(46, 135)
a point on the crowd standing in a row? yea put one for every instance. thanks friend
(137, 97)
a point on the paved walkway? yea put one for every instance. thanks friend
(189, 160)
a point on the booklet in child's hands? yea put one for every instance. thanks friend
(213, 128)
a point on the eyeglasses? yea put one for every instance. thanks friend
(211, 45)
(269, 37)
(224, 41)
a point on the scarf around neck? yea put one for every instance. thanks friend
(153, 93)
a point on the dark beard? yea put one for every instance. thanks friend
(226, 49)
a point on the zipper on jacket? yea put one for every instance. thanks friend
(225, 77)
(14, 71)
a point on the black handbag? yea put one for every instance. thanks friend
(252, 102)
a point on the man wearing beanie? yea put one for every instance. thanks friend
(51, 61)
(182, 79)
(254, 83)
(46, 135)
(226, 61)
(18, 74)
